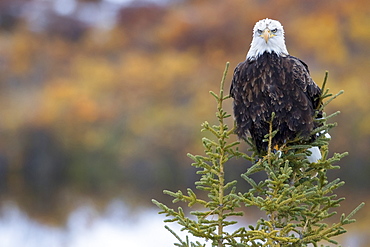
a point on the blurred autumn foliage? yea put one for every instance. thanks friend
(114, 108)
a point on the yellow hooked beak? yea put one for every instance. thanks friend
(266, 34)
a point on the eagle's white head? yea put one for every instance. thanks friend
(268, 36)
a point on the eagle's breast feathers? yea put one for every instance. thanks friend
(273, 83)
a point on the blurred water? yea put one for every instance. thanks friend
(116, 226)
(85, 227)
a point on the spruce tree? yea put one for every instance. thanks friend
(296, 196)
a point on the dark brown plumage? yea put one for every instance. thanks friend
(274, 83)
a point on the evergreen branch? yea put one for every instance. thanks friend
(182, 243)
(348, 219)
(331, 99)
(324, 92)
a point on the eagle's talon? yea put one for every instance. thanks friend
(256, 161)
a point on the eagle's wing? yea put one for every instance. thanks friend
(302, 77)
(242, 102)
(304, 91)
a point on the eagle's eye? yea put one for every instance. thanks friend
(259, 31)
(274, 30)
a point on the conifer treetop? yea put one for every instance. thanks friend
(296, 196)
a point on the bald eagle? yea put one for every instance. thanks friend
(270, 80)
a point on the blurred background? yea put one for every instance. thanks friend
(101, 100)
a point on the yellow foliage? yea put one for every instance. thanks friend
(357, 27)
(148, 79)
(138, 92)
(23, 51)
(325, 40)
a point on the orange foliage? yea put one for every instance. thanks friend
(142, 86)
(153, 68)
